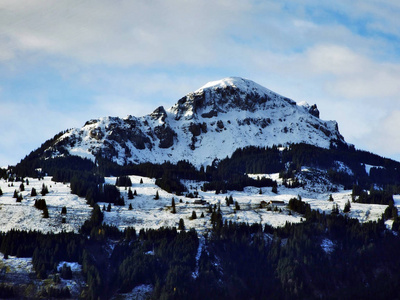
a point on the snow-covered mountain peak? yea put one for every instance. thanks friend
(227, 95)
(244, 85)
(207, 124)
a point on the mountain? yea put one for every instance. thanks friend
(207, 124)
(232, 230)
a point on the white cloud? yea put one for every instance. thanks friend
(353, 75)
(385, 135)
(125, 33)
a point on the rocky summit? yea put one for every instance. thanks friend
(207, 124)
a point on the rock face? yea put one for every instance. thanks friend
(208, 124)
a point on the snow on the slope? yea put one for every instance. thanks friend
(150, 213)
(369, 167)
(202, 241)
(278, 121)
(24, 216)
(255, 207)
(140, 292)
(245, 85)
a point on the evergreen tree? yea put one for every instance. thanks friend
(330, 197)
(181, 225)
(66, 272)
(109, 207)
(1, 192)
(157, 196)
(347, 207)
(130, 206)
(173, 206)
(275, 189)
(237, 206)
(64, 210)
(130, 194)
(141, 181)
(15, 194)
(44, 190)
(33, 192)
(230, 199)
(202, 215)
(194, 215)
(22, 187)
(27, 181)
(335, 209)
(134, 193)
(227, 201)
(19, 198)
(45, 213)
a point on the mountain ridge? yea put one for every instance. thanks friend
(207, 124)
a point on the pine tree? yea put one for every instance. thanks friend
(27, 181)
(130, 194)
(66, 272)
(130, 206)
(173, 206)
(44, 190)
(19, 198)
(227, 201)
(64, 210)
(202, 215)
(33, 192)
(230, 199)
(347, 207)
(194, 215)
(237, 206)
(275, 189)
(1, 192)
(45, 212)
(15, 194)
(109, 207)
(134, 193)
(181, 225)
(330, 197)
(157, 196)
(141, 181)
(335, 209)
(22, 187)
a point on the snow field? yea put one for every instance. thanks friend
(150, 213)
(24, 216)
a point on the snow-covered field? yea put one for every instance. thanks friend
(24, 216)
(146, 212)
(150, 213)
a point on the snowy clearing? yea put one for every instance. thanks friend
(255, 207)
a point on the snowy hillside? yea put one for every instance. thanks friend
(210, 123)
(24, 216)
(146, 212)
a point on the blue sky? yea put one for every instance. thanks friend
(65, 62)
